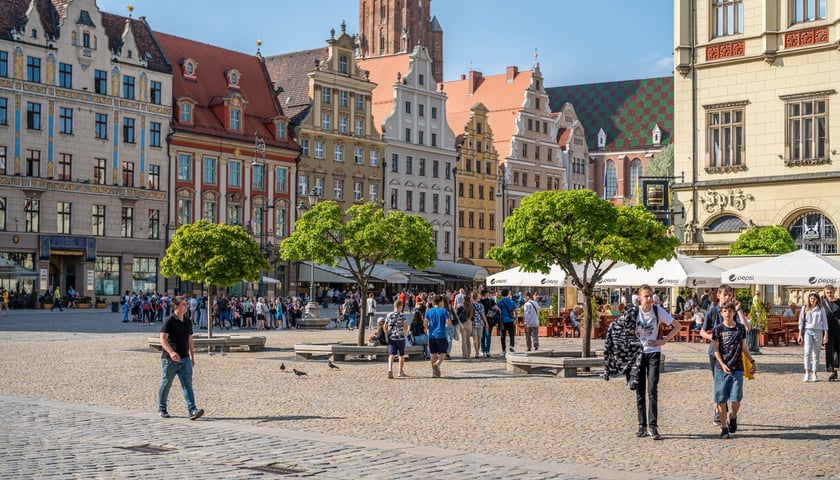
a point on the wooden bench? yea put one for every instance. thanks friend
(339, 351)
(221, 342)
(569, 361)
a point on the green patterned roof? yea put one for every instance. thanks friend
(626, 110)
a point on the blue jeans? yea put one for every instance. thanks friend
(351, 320)
(450, 332)
(184, 371)
(125, 312)
(485, 340)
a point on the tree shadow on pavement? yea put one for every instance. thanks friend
(280, 418)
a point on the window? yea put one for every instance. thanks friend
(186, 112)
(478, 147)
(359, 127)
(374, 158)
(445, 242)
(281, 214)
(2, 160)
(447, 204)
(342, 64)
(422, 171)
(394, 192)
(65, 75)
(339, 152)
(234, 174)
(65, 120)
(409, 196)
(184, 211)
(97, 213)
(395, 163)
(343, 98)
(100, 82)
(358, 191)
(468, 165)
(472, 191)
(420, 138)
(491, 221)
(4, 111)
(304, 147)
(235, 119)
(728, 17)
(154, 134)
(154, 224)
(33, 163)
(358, 155)
(481, 192)
(360, 102)
(62, 217)
(281, 180)
(33, 116)
(460, 219)
(33, 69)
(128, 87)
(209, 171)
(326, 94)
(408, 164)
(814, 232)
(537, 152)
(536, 183)
(155, 92)
(234, 214)
(319, 149)
(408, 135)
(434, 112)
(421, 110)
(808, 10)
(99, 170)
(435, 203)
(436, 168)
(525, 179)
(530, 124)
(471, 219)
(128, 174)
(524, 150)
(258, 172)
(421, 202)
(434, 139)
(421, 79)
(154, 177)
(472, 250)
(338, 189)
(448, 171)
(184, 167)
(303, 185)
(635, 173)
(325, 122)
(101, 126)
(481, 220)
(726, 137)
(610, 182)
(281, 130)
(4, 64)
(65, 167)
(144, 274)
(374, 192)
(209, 207)
(407, 107)
(319, 187)
(342, 124)
(32, 215)
(127, 222)
(807, 127)
(128, 130)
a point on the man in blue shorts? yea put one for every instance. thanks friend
(436, 321)
(729, 342)
(396, 327)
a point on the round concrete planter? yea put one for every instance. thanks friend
(314, 323)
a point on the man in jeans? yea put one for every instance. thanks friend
(508, 309)
(647, 329)
(178, 358)
(490, 312)
(531, 316)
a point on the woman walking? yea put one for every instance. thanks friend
(813, 332)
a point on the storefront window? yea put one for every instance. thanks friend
(144, 275)
(106, 275)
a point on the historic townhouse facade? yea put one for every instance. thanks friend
(232, 159)
(523, 128)
(574, 152)
(420, 151)
(85, 103)
(340, 151)
(757, 106)
(389, 27)
(477, 201)
(625, 123)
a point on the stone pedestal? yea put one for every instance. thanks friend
(313, 322)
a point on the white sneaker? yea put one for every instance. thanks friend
(807, 377)
(814, 377)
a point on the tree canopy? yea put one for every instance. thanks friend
(770, 240)
(583, 234)
(662, 164)
(363, 238)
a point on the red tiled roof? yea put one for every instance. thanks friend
(563, 136)
(289, 72)
(211, 85)
(383, 72)
(13, 16)
(503, 100)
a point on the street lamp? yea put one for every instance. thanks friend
(259, 147)
(311, 310)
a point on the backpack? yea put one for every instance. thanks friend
(461, 313)
(493, 315)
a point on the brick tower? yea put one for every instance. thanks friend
(388, 27)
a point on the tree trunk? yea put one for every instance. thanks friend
(209, 310)
(586, 341)
(363, 292)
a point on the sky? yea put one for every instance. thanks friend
(576, 41)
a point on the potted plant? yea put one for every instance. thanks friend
(47, 300)
(100, 302)
(84, 302)
(544, 329)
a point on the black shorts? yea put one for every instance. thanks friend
(396, 347)
(438, 346)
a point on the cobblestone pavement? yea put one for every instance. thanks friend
(78, 388)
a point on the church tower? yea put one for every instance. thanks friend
(389, 27)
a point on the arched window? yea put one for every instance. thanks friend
(814, 231)
(635, 173)
(726, 223)
(610, 182)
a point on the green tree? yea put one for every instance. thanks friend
(583, 234)
(772, 240)
(363, 238)
(662, 165)
(213, 254)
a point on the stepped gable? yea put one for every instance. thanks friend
(383, 72)
(626, 110)
(288, 72)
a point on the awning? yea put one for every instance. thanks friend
(415, 277)
(267, 279)
(459, 271)
(324, 274)
(383, 273)
(491, 265)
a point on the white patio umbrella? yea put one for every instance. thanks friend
(516, 277)
(681, 271)
(799, 268)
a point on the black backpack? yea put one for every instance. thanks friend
(461, 313)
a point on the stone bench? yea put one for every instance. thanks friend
(339, 351)
(223, 342)
(569, 362)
